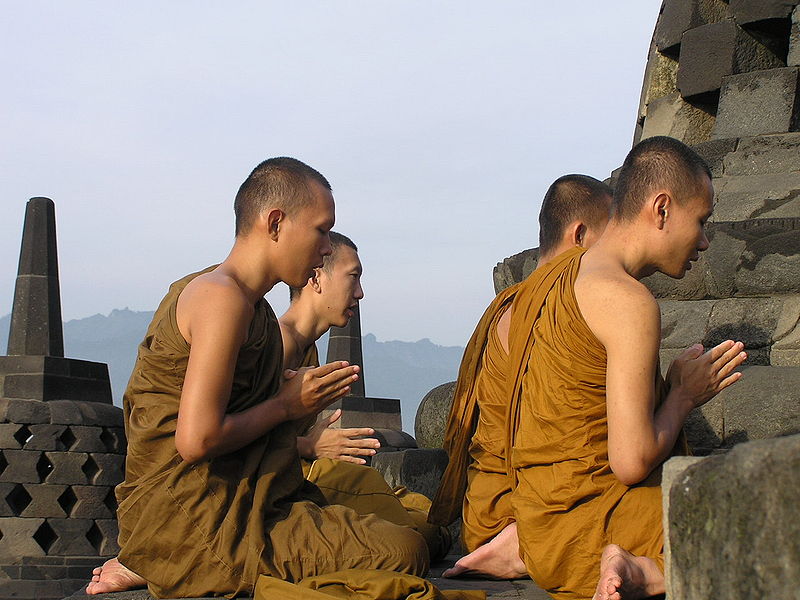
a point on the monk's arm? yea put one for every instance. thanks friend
(639, 436)
(214, 319)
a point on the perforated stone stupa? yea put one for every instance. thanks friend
(62, 443)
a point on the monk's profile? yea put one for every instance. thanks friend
(476, 485)
(333, 458)
(214, 494)
(591, 419)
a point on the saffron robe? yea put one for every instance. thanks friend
(567, 501)
(364, 489)
(211, 528)
(476, 485)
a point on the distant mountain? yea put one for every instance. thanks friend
(394, 369)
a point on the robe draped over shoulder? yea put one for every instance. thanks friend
(463, 417)
(567, 501)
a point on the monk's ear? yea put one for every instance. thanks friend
(659, 209)
(273, 221)
(575, 233)
(580, 235)
(314, 282)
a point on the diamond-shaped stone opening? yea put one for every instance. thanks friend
(111, 500)
(3, 462)
(95, 537)
(18, 499)
(44, 467)
(45, 536)
(68, 438)
(90, 469)
(23, 435)
(109, 439)
(67, 500)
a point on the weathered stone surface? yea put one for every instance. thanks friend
(23, 411)
(684, 323)
(110, 531)
(67, 467)
(94, 502)
(757, 197)
(344, 343)
(420, 470)
(732, 524)
(761, 155)
(711, 52)
(21, 466)
(672, 116)
(111, 467)
(678, 16)
(44, 501)
(71, 537)
(750, 11)
(714, 152)
(705, 427)
(18, 540)
(758, 103)
(36, 315)
(431, 420)
(390, 439)
(45, 437)
(514, 269)
(764, 403)
(793, 54)
(659, 80)
(84, 438)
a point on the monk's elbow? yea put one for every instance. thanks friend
(192, 450)
(630, 472)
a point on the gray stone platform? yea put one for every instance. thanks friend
(520, 589)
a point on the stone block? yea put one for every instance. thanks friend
(764, 403)
(13, 435)
(714, 152)
(22, 466)
(45, 437)
(420, 470)
(45, 501)
(111, 467)
(110, 532)
(684, 323)
(86, 438)
(764, 154)
(739, 198)
(786, 349)
(67, 467)
(116, 442)
(18, 539)
(679, 16)
(514, 269)
(705, 427)
(793, 54)
(71, 537)
(732, 524)
(390, 439)
(431, 419)
(659, 80)
(771, 264)
(711, 52)
(750, 11)
(672, 116)
(23, 411)
(758, 103)
(6, 509)
(94, 502)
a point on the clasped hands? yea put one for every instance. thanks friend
(699, 376)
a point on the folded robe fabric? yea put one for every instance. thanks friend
(462, 419)
(359, 584)
(567, 501)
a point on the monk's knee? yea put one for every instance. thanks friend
(412, 551)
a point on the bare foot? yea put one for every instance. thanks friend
(624, 576)
(113, 576)
(497, 559)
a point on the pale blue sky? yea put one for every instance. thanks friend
(439, 124)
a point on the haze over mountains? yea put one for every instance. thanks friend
(393, 369)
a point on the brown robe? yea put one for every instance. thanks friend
(213, 527)
(364, 489)
(567, 502)
(475, 484)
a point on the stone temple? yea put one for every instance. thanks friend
(723, 76)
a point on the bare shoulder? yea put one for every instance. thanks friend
(213, 298)
(614, 304)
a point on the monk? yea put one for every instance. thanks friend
(476, 484)
(591, 421)
(328, 299)
(214, 495)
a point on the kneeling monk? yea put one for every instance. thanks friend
(214, 495)
(591, 421)
(332, 457)
(476, 484)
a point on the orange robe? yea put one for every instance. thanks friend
(475, 484)
(567, 502)
(212, 528)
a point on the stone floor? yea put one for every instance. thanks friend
(522, 589)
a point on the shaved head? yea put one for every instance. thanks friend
(283, 183)
(571, 198)
(657, 163)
